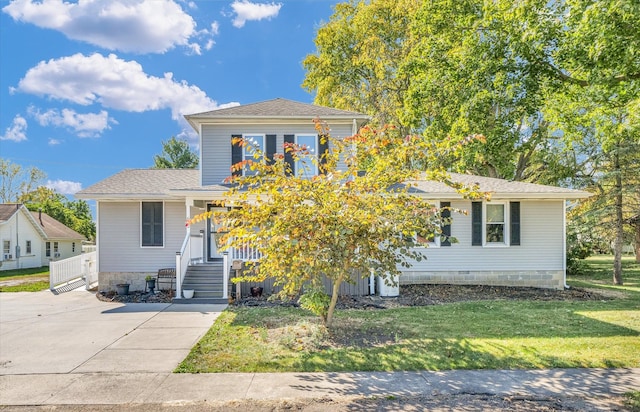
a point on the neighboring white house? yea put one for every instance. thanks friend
(518, 238)
(33, 239)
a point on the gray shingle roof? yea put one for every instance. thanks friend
(171, 183)
(142, 184)
(278, 108)
(498, 187)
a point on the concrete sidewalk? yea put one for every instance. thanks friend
(172, 389)
(73, 349)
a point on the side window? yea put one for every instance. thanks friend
(6, 248)
(152, 224)
(495, 224)
(28, 247)
(47, 252)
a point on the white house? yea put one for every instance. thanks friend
(518, 238)
(33, 239)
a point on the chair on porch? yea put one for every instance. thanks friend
(167, 275)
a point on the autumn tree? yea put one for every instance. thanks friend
(345, 220)
(176, 154)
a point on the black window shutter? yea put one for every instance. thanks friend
(446, 229)
(288, 157)
(514, 208)
(236, 153)
(323, 149)
(270, 148)
(476, 223)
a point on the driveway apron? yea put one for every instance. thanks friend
(74, 332)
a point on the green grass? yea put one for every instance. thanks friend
(466, 335)
(26, 280)
(632, 400)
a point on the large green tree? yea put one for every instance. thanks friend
(176, 154)
(339, 223)
(554, 86)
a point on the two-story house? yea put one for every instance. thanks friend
(518, 238)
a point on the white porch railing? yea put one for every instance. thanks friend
(192, 250)
(244, 253)
(82, 266)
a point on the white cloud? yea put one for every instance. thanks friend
(84, 125)
(54, 142)
(17, 130)
(215, 28)
(139, 26)
(113, 83)
(247, 11)
(64, 187)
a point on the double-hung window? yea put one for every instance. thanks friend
(6, 248)
(307, 164)
(495, 224)
(47, 249)
(152, 224)
(254, 150)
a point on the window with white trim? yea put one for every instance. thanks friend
(307, 164)
(47, 249)
(6, 247)
(254, 144)
(152, 222)
(27, 247)
(495, 223)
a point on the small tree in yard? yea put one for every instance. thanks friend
(339, 223)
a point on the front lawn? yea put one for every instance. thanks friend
(24, 280)
(504, 334)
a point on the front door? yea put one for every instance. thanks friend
(213, 236)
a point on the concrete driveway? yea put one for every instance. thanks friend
(43, 333)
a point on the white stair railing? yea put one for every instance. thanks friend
(191, 251)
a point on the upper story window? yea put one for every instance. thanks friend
(152, 224)
(307, 165)
(254, 143)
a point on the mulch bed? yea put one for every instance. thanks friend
(424, 295)
(135, 297)
(410, 295)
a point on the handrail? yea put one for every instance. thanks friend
(183, 257)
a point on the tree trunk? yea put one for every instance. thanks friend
(334, 300)
(619, 222)
(638, 242)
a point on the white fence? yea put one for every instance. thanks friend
(77, 267)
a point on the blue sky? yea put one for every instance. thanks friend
(92, 87)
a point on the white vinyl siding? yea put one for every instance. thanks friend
(541, 244)
(216, 144)
(119, 237)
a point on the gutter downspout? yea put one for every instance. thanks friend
(564, 244)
